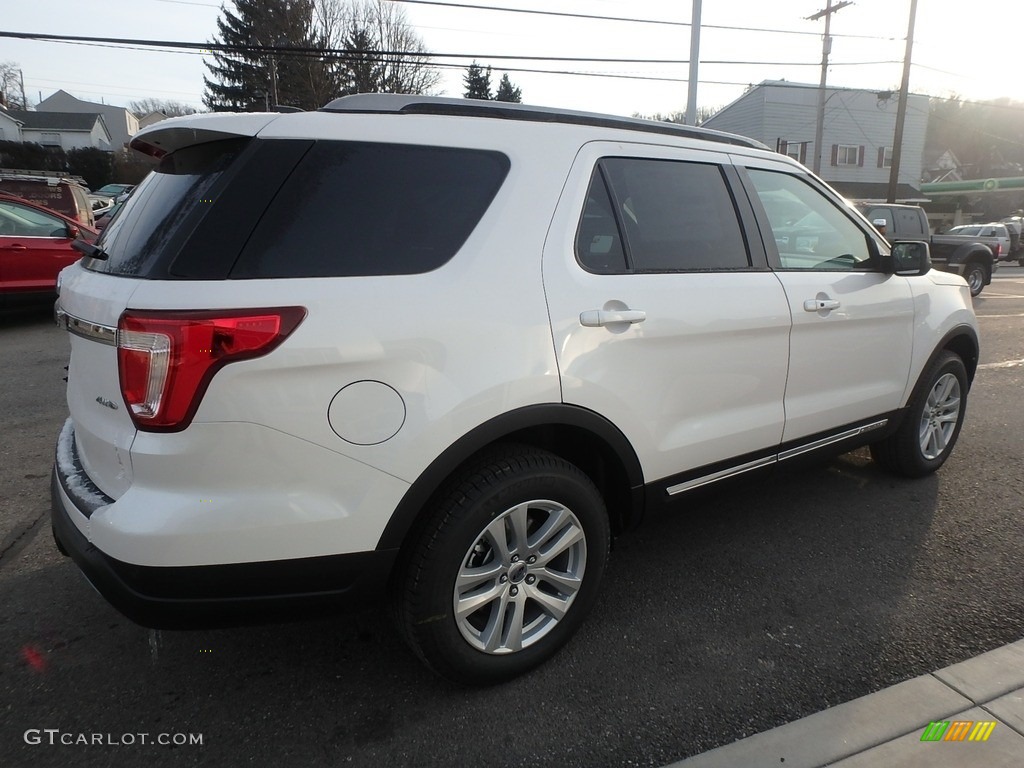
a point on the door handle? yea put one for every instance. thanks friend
(817, 305)
(598, 318)
(16, 247)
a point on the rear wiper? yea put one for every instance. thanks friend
(90, 250)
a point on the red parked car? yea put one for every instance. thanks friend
(35, 245)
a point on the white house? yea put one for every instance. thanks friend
(68, 130)
(857, 141)
(121, 123)
(10, 129)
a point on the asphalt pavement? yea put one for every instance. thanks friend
(754, 607)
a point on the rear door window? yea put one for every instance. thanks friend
(673, 216)
(357, 208)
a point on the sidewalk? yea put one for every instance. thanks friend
(884, 730)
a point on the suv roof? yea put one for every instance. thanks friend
(380, 103)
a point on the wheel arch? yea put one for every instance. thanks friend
(578, 435)
(963, 342)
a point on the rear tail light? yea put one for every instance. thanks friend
(165, 360)
(999, 250)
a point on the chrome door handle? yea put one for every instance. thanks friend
(597, 318)
(817, 305)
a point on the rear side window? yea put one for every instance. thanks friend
(672, 216)
(353, 208)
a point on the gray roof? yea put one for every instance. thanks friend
(57, 121)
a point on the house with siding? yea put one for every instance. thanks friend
(857, 140)
(10, 129)
(121, 123)
(68, 130)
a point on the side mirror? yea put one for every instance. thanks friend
(73, 231)
(911, 258)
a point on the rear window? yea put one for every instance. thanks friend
(165, 209)
(353, 208)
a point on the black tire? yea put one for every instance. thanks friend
(906, 451)
(976, 276)
(507, 484)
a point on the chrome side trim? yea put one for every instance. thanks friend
(104, 334)
(716, 476)
(793, 452)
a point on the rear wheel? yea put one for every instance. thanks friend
(975, 276)
(932, 424)
(506, 569)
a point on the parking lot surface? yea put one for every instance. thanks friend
(757, 605)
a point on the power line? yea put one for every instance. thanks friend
(628, 19)
(141, 44)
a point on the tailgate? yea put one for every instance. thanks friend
(89, 307)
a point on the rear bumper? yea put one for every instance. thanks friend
(213, 595)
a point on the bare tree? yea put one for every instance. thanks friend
(169, 107)
(10, 86)
(384, 52)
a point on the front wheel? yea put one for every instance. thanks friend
(932, 423)
(506, 569)
(975, 277)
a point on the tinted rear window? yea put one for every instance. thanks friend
(353, 208)
(165, 208)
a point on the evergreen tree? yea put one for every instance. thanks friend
(245, 78)
(508, 92)
(478, 82)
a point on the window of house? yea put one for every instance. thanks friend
(795, 149)
(885, 157)
(847, 154)
(50, 139)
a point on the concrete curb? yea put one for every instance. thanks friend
(884, 728)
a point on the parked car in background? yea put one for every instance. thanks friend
(1015, 228)
(64, 194)
(115, 191)
(973, 258)
(993, 230)
(100, 204)
(105, 217)
(35, 245)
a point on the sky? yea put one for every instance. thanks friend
(973, 54)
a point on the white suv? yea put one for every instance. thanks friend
(444, 350)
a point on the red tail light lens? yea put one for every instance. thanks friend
(166, 360)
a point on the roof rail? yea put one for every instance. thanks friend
(377, 103)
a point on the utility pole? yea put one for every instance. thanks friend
(691, 96)
(826, 49)
(24, 101)
(901, 111)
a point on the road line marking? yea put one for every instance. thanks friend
(1007, 364)
(981, 316)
